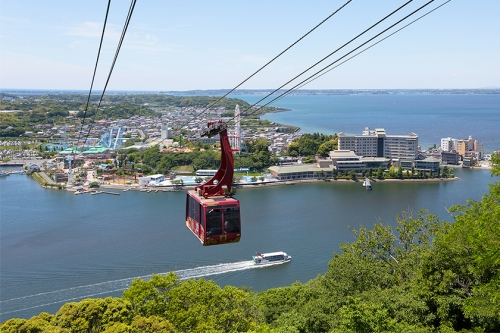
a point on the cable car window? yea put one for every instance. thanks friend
(202, 217)
(190, 207)
(232, 220)
(196, 211)
(214, 222)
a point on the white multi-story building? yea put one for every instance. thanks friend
(448, 144)
(165, 133)
(377, 143)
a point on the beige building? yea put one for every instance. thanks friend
(298, 172)
(469, 145)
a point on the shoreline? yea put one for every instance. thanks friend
(248, 185)
(173, 188)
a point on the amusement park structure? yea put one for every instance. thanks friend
(112, 139)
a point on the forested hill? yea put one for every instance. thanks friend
(424, 275)
(55, 108)
(67, 102)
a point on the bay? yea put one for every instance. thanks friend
(70, 247)
(58, 247)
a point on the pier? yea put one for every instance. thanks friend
(104, 192)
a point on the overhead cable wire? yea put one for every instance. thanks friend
(326, 57)
(324, 68)
(366, 49)
(269, 62)
(95, 70)
(122, 37)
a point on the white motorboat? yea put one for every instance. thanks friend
(271, 258)
(367, 184)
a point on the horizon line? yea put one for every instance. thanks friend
(259, 89)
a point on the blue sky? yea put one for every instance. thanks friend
(186, 45)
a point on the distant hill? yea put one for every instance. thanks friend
(221, 92)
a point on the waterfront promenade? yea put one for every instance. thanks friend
(21, 162)
(135, 187)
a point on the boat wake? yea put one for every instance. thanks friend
(92, 290)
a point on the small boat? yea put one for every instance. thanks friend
(367, 184)
(271, 258)
(80, 191)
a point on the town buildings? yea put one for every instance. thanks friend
(455, 150)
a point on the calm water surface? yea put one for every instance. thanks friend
(68, 247)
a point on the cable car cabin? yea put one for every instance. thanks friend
(214, 220)
(210, 214)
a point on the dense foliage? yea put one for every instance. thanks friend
(152, 160)
(313, 144)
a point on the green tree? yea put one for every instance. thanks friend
(328, 146)
(152, 324)
(150, 298)
(93, 315)
(357, 316)
(392, 171)
(386, 258)
(495, 162)
(380, 173)
(152, 156)
(400, 173)
(202, 306)
(307, 146)
(40, 323)
(293, 149)
(258, 145)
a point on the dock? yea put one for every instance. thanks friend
(104, 192)
(113, 193)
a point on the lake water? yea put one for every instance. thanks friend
(57, 247)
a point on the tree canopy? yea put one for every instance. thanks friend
(312, 144)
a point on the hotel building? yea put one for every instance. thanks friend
(376, 143)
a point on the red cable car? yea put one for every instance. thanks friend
(211, 213)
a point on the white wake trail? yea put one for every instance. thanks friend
(78, 293)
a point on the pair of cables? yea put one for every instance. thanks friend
(120, 42)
